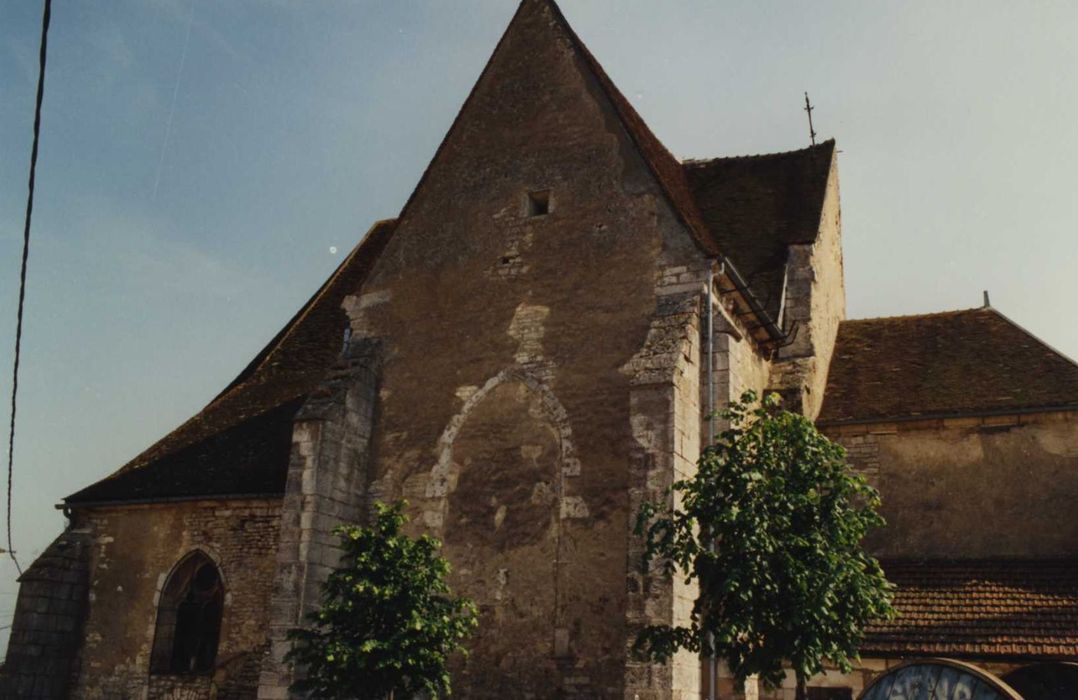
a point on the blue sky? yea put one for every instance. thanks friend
(205, 165)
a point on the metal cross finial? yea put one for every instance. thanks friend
(809, 108)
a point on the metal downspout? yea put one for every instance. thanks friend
(712, 661)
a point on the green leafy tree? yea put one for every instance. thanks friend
(771, 528)
(388, 621)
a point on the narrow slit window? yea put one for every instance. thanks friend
(539, 203)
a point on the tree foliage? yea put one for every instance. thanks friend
(388, 621)
(771, 528)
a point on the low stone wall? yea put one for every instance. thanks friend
(47, 629)
(133, 549)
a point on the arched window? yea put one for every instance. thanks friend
(189, 618)
(940, 679)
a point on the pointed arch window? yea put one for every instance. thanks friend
(189, 618)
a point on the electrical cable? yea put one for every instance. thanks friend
(22, 273)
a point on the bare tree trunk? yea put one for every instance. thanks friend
(800, 692)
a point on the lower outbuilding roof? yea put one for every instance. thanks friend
(980, 609)
(970, 362)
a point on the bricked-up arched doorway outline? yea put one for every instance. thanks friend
(189, 611)
(444, 476)
(556, 412)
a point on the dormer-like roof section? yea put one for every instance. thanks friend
(239, 443)
(755, 207)
(972, 362)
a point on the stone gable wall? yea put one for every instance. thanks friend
(540, 374)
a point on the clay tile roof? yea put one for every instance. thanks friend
(1024, 609)
(239, 444)
(954, 363)
(756, 206)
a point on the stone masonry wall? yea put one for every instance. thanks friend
(988, 486)
(326, 486)
(533, 372)
(46, 631)
(134, 548)
(738, 365)
(665, 412)
(815, 305)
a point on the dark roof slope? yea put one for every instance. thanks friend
(239, 443)
(756, 206)
(1024, 609)
(954, 363)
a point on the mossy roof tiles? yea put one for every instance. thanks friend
(994, 608)
(969, 362)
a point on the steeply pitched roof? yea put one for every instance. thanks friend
(1021, 609)
(954, 363)
(756, 206)
(240, 442)
(237, 443)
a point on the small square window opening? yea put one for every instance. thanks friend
(539, 203)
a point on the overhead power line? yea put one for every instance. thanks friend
(46, 16)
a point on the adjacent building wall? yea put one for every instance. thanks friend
(992, 486)
(133, 550)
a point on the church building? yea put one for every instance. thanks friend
(526, 354)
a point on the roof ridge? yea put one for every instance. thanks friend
(1062, 355)
(322, 291)
(701, 162)
(928, 314)
(274, 344)
(258, 389)
(979, 560)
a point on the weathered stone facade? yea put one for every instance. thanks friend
(133, 550)
(815, 304)
(327, 483)
(527, 355)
